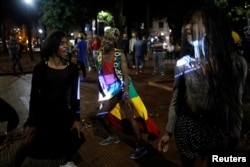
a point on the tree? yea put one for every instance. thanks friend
(236, 10)
(64, 15)
(74, 14)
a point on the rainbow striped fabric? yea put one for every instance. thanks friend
(146, 124)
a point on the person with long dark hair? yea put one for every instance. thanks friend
(206, 105)
(53, 127)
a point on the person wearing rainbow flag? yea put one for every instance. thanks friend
(118, 98)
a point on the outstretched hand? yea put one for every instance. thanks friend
(163, 143)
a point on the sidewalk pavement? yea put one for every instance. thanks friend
(16, 90)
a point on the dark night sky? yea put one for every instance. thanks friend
(134, 9)
(16, 9)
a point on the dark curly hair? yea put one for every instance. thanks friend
(51, 44)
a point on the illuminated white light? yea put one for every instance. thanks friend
(187, 61)
(78, 89)
(106, 28)
(28, 1)
(199, 45)
(184, 60)
(40, 31)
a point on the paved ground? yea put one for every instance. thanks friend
(155, 91)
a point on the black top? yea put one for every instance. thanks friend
(54, 96)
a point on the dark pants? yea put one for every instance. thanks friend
(15, 57)
(82, 68)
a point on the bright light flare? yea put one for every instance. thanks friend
(28, 1)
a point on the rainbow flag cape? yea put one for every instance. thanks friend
(146, 124)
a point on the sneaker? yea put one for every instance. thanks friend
(69, 164)
(110, 140)
(139, 152)
(162, 73)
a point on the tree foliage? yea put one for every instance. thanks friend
(105, 17)
(64, 15)
(70, 15)
(236, 10)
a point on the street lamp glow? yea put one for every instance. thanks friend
(40, 31)
(28, 1)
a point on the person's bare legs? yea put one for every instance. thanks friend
(128, 109)
(140, 149)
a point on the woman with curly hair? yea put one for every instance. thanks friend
(52, 129)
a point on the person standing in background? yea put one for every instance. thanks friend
(13, 47)
(94, 45)
(158, 54)
(70, 50)
(81, 49)
(139, 52)
(131, 47)
(125, 47)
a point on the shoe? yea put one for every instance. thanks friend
(110, 140)
(139, 152)
(162, 73)
(136, 72)
(69, 164)
(140, 71)
(89, 69)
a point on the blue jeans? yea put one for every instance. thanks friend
(139, 63)
(158, 62)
